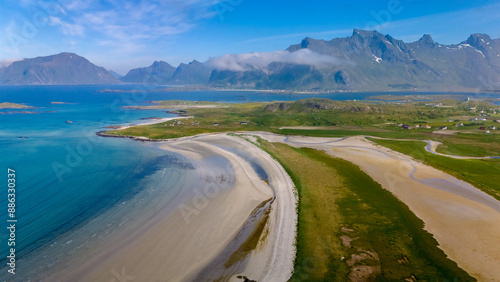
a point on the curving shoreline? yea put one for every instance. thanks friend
(183, 242)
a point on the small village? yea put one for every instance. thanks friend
(481, 122)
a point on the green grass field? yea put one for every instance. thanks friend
(333, 119)
(349, 225)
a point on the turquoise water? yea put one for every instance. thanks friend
(66, 176)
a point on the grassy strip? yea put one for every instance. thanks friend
(466, 144)
(337, 204)
(341, 132)
(316, 226)
(483, 174)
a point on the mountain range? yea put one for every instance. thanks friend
(364, 61)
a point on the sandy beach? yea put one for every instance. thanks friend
(178, 245)
(152, 121)
(464, 220)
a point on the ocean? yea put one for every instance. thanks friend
(68, 179)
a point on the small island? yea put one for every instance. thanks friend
(7, 105)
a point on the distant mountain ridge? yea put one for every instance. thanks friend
(60, 69)
(368, 61)
(161, 72)
(364, 61)
(383, 62)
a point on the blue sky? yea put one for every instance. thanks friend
(121, 35)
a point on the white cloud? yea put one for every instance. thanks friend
(260, 60)
(138, 20)
(78, 4)
(67, 28)
(128, 27)
(7, 62)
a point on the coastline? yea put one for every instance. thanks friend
(180, 243)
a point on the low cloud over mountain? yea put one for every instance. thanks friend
(261, 60)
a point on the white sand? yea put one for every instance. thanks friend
(273, 259)
(153, 121)
(179, 245)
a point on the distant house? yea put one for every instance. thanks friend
(450, 120)
(487, 132)
(498, 120)
(417, 125)
(400, 124)
(443, 127)
(460, 124)
(473, 119)
(426, 126)
(216, 124)
(243, 122)
(493, 128)
(196, 123)
(483, 119)
(482, 128)
(406, 126)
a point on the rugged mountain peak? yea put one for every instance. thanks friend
(427, 40)
(305, 42)
(161, 65)
(159, 72)
(365, 33)
(362, 37)
(195, 62)
(478, 40)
